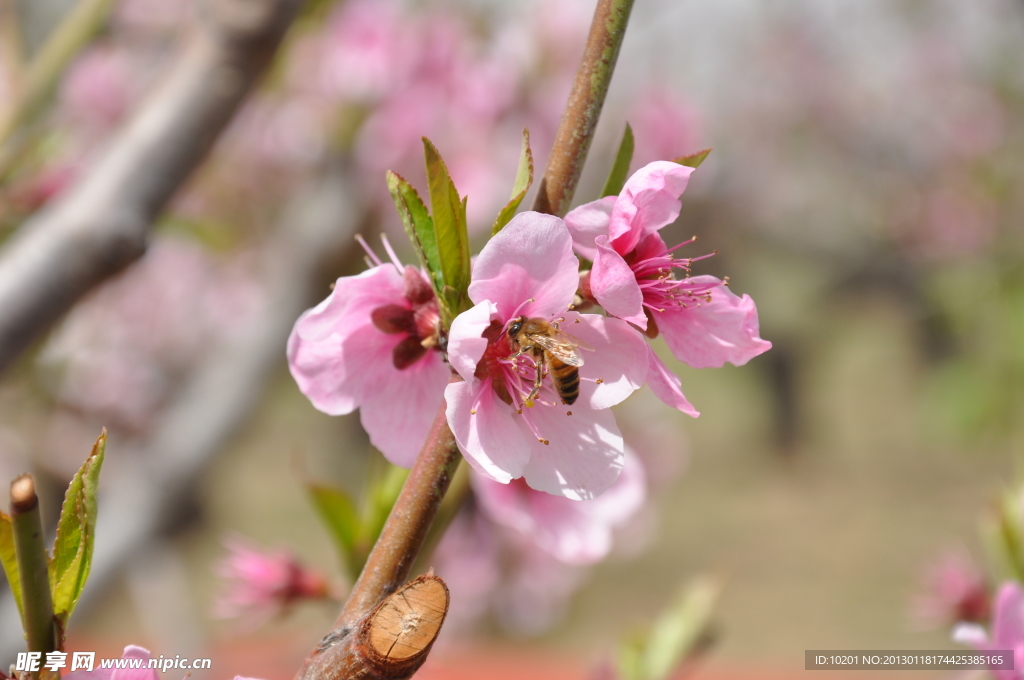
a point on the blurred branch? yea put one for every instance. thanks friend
(155, 477)
(576, 129)
(101, 224)
(40, 77)
(12, 46)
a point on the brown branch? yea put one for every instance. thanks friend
(102, 223)
(391, 559)
(576, 129)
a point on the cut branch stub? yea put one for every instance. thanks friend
(391, 642)
(398, 634)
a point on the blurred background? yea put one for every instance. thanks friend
(865, 189)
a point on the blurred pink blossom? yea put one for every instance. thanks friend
(119, 352)
(528, 271)
(496, 572)
(574, 532)
(371, 344)
(127, 673)
(130, 652)
(260, 583)
(98, 88)
(1007, 630)
(954, 590)
(664, 127)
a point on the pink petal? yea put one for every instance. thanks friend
(530, 258)
(134, 652)
(486, 430)
(335, 354)
(618, 359)
(1008, 623)
(587, 222)
(614, 285)
(577, 532)
(708, 335)
(666, 385)
(398, 417)
(648, 202)
(466, 346)
(584, 456)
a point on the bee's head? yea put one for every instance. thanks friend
(516, 326)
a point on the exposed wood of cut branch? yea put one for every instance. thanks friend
(101, 224)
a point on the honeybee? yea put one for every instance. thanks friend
(549, 346)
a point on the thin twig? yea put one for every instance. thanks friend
(102, 223)
(576, 130)
(37, 605)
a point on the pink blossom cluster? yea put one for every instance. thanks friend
(346, 353)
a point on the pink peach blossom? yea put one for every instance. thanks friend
(261, 583)
(704, 323)
(575, 532)
(370, 345)
(954, 590)
(1007, 630)
(528, 270)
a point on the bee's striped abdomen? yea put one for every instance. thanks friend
(566, 379)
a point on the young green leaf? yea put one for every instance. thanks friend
(620, 168)
(693, 160)
(381, 496)
(450, 229)
(10, 562)
(339, 513)
(76, 535)
(524, 178)
(677, 631)
(418, 226)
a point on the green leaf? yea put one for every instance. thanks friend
(694, 159)
(620, 168)
(677, 631)
(524, 178)
(380, 498)
(450, 230)
(339, 513)
(76, 535)
(418, 226)
(10, 562)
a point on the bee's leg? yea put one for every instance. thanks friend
(536, 383)
(523, 349)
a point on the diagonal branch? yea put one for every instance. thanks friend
(576, 129)
(102, 223)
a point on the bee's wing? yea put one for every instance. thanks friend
(559, 348)
(570, 339)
